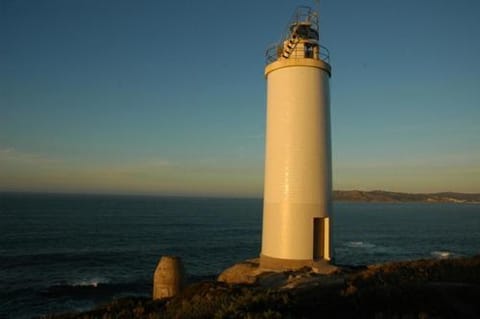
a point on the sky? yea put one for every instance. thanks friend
(168, 97)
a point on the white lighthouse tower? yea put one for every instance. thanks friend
(298, 175)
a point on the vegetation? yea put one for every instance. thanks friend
(448, 288)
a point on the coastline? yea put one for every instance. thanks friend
(380, 196)
(427, 288)
(356, 196)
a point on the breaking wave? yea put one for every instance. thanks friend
(442, 254)
(94, 282)
(99, 288)
(94, 289)
(360, 244)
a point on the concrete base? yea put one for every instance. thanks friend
(169, 277)
(277, 264)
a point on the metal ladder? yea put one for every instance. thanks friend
(292, 43)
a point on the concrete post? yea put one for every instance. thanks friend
(169, 277)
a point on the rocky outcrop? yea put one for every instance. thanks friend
(242, 273)
(251, 272)
(445, 288)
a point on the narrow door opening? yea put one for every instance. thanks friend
(318, 238)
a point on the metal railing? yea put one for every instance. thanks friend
(302, 15)
(275, 51)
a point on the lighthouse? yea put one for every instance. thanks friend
(297, 207)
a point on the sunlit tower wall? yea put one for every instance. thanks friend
(297, 205)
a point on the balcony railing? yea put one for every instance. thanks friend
(302, 25)
(274, 52)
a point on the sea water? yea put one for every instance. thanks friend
(71, 252)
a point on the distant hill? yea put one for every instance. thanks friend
(393, 197)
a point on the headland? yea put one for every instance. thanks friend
(380, 196)
(430, 288)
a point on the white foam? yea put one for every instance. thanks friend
(360, 244)
(93, 282)
(441, 254)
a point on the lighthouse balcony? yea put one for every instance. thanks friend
(300, 39)
(301, 50)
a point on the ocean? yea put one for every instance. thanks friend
(62, 253)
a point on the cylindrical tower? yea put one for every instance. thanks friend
(298, 175)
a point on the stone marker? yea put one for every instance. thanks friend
(169, 277)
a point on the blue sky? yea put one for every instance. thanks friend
(168, 97)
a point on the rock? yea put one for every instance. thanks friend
(242, 273)
(251, 272)
(272, 279)
(324, 268)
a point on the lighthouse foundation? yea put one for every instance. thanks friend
(320, 266)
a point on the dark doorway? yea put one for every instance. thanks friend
(318, 238)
